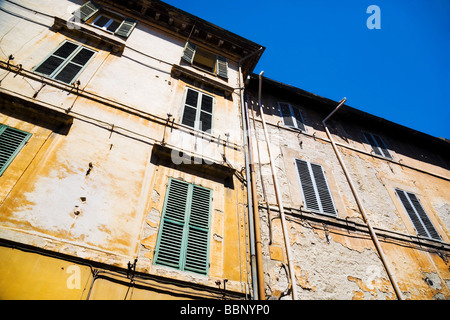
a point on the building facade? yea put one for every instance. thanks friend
(135, 164)
(400, 179)
(121, 153)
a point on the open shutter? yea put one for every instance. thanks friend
(286, 114)
(189, 52)
(382, 146)
(126, 27)
(222, 67)
(171, 236)
(11, 142)
(372, 143)
(309, 193)
(197, 255)
(299, 119)
(87, 10)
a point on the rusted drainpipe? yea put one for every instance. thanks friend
(360, 206)
(278, 196)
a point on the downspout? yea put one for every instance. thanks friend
(255, 237)
(278, 197)
(360, 206)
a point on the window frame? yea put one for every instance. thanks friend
(418, 216)
(292, 115)
(220, 63)
(110, 21)
(315, 188)
(18, 148)
(376, 144)
(187, 228)
(66, 61)
(198, 110)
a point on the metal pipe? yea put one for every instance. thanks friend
(278, 197)
(360, 205)
(254, 257)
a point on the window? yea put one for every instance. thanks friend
(183, 239)
(66, 62)
(11, 142)
(417, 214)
(198, 110)
(205, 60)
(292, 116)
(377, 144)
(316, 192)
(94, 14)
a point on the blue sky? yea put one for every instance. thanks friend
(400, 72)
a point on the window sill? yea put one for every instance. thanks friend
(178, 70)
(83, 30)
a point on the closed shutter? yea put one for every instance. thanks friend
(189, 52)
(222, 67)
(87, 10)
(316, 193)
(417, 214)
(286, 114)
(11, 142)
(183, 240)
(198, 234)
(126, 27)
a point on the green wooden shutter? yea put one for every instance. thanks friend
(326, 201)
(87, 10)
(11, 142)
(189, 52)
(222, 67)
(197, 253)
(126, 27)
(183, 239)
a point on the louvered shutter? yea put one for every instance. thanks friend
(299, 119)
(286, 114)
(382, 146)
(198, 233)
(171, 236)
(126, 27)
(11, 142)
(315, 188)
(326, 202)
(417, 214)
(222, 67)
(87, 10)
(189, 52)
(373, 144)
(309, 193)
(183, 240)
